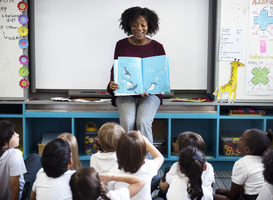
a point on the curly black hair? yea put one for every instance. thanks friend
(268, 166)
(129, 16)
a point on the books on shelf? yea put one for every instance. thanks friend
(138, 75)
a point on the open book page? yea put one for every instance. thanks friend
(128, 75)
(135, 75)
(156, 75)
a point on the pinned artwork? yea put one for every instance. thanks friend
(22, 6)
(23, 59)
(23, 71)
(24, 83)
(231, 86)
(23, 43)
(23, 19)
(23, 31)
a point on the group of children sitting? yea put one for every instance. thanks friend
(122, 171)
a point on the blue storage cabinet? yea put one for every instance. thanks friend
(31, 124)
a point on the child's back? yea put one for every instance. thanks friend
(131, 154)
(267, 189)
(108, 136)
(184, 140)
(189, 185)
(52, 181)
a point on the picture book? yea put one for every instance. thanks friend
(138, 75)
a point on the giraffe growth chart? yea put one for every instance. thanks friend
(259, 66)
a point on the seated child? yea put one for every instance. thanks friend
(267, 189)
(16, 176)
(52, 181)
(184, 140)
(132, 149)
(86, 183)
(247, 172)
(72, 141)
(189, 185)
(108, 136)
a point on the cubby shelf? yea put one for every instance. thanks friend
(209, 120)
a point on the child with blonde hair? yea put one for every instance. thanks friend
(132, 149)
(247, 172)
(108, 137)
(72, 141)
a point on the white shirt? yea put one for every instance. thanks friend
(103, 162)
(147, 171)
(11, 164)
(121, 194)
(47, 188)
(178, 190)
(207, 175)
(266, 192)
(248, 171)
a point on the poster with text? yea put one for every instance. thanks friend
(259, 74)
(260, 20)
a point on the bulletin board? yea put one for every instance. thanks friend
(245, 32)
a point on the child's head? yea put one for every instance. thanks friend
(189, 138)
(56, 157)
(72, 141)
(254, 142)
(268, 166)
(86, 184)
(131, 152)
(192, 163)
(7, 131)
(108, 136)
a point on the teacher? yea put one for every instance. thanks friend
(137, 112)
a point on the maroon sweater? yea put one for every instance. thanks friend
(125, 48)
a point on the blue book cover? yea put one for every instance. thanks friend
(135, 75)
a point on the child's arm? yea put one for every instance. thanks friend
(14, 187)
(136, 183)
(33, 195)
(234, 191)
(164, 185)
(157, 156)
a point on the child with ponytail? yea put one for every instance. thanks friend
(192, 163)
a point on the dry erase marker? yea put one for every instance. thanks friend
(36, 98)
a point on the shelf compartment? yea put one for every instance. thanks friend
(207, 128)
(36, 127)
(11, 109)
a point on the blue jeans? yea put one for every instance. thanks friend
(138, 113)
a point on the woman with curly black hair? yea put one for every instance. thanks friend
(137, 112)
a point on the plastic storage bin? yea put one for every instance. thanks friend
(91, 144)
(229, 143)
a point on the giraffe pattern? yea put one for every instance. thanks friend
(231, 86)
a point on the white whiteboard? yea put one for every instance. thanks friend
(10, 52)
(75, 41)
(235, 13)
